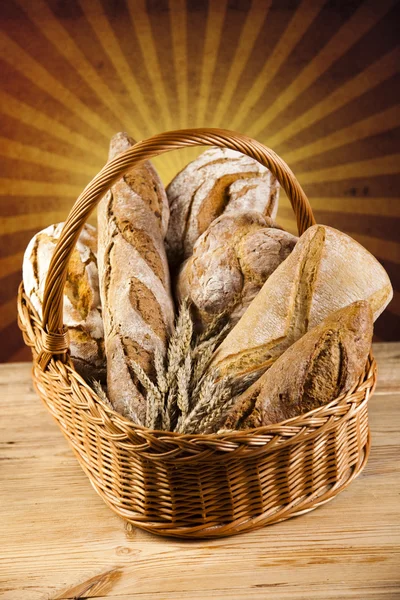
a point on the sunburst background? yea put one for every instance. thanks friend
(318, 81)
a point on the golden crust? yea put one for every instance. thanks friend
(134, 279)
(326, 271)
(325, 363)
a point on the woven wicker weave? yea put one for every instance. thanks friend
(192, 485)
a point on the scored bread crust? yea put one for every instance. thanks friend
(326, 271)
(219, 181)
(81, 298)
(325, 363)
(231, 261)
(134, 280)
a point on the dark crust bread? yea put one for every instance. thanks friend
(325, 363)
(326, 271)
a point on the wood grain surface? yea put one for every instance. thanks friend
(59, 541)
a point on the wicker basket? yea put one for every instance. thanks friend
(194, 486)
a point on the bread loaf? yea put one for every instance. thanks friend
(325, 363)
(134, 280)
(326, 271)
(218, 181)
(82, 309)
(231, 261)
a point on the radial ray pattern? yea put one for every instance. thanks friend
(318, 81)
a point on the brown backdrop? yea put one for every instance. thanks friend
(317, 81)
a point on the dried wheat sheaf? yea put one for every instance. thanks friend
(183, 397)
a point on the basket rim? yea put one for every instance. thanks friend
(281, 434)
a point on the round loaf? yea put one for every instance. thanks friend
(218, 181)
(230, 263)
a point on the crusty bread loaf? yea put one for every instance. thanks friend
(134, 279)
(218, 181)
(326, 271)
(325, 363)
(82, 310)
(230, 263)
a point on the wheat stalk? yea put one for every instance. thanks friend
(153, 396)
(183, 386)
(214, 400)
(201, 360)
(181, 397)
(160, 371)
(98, 388)
(180, 342)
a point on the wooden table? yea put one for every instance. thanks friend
(58, 539)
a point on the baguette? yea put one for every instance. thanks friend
(325, 363)
(231, 261)
(134, 280)
(218, 181)
(82, 309)
(326, 271)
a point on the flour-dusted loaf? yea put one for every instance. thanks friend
(230, 263)
(138, 310)
(326, 271)
(82, 309)
(218, 181)
(325, 363)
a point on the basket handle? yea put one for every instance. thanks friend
(55, 339)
